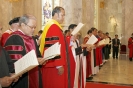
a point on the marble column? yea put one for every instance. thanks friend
(111, 17)
(9, 10)
(34, 7)
(73, 12)
(128, 19)
(88, 10)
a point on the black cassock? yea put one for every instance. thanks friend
(6, 64)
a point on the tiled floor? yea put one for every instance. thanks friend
(116, 71)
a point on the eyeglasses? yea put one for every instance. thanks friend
(30, 26)
(1, 28)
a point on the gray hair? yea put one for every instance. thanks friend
(25, 19)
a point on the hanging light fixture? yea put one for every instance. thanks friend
(13, 0)
(102, 4)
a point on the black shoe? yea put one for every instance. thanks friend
(99, 68)
(130, 59)
(116, 57)
(93, 75)
(89, 78)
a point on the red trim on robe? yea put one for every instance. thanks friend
(72, 62)
(88, 60)
(33, 74)
(98, 54)
(15, 56)
(14, 48)
(51, 79)
(29, 45)
(4, 38)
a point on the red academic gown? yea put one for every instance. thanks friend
(100, 54)
(130, 46)
(50, 76)
(4, 36)
(95, 58)
(72, 61)
(80, 66)
(18, 45)
(88, 60)
(97, 52)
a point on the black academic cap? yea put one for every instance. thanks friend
(14, 20)
(107, 33)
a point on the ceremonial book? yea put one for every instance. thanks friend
(29, 61)
(102, 42)
(77, 29)
(26, 63)
(52, 51)
(92, 40)
(107, 41)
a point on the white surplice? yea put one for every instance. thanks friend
(80, 67)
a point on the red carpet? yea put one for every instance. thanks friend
(100, 85)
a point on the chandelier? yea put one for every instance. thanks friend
(13, 0)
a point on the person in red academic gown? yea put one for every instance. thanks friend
(77, 60)
(88, 57)
(95, 53)
(77, 63)
(18, 44)
(14, 25)
(56, 73)
(75, 52)
(71, 56)
(6, 69)
(100, 34)
(130, 46)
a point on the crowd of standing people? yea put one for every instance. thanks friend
(76, 63)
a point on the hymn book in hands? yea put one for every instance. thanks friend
(26, 63)
(52, 51)
(77, 29)
(104, 42)
(29, 61)
(107, 41)
(92, 40)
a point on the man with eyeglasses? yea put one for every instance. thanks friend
(21, 42)
(14, 26)
(0, 32)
